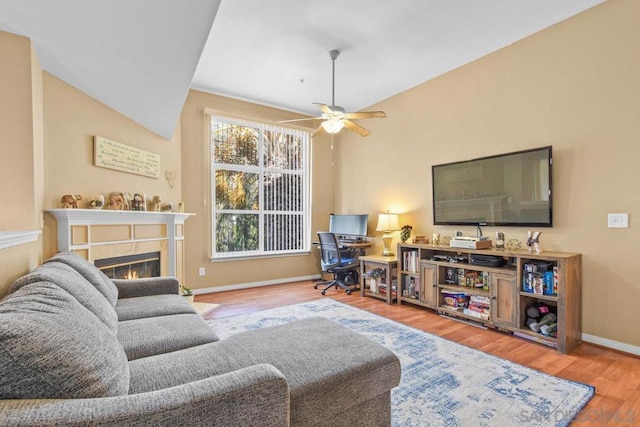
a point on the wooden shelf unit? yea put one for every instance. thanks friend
(386, 285)
(422, 280)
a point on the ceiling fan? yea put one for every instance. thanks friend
(335, 117)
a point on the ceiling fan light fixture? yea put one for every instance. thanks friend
(333, 117)
(333, 126)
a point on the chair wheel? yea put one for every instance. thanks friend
(315, 286)
(348, 291)
(322, 292)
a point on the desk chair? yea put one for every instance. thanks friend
(343, 264)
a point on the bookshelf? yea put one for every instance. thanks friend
(448, 281)
(383, 287)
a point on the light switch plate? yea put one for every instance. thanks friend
(618, 220)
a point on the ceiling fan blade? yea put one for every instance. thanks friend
(324, 108)
(356, 128)
(366, 115)
(300, 120)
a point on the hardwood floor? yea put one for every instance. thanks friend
(615, 375)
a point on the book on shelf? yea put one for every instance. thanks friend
(410, 261)
(472, 313)
(480, 300)
(454, 299)
(540, 278)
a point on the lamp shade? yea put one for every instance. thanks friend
(388, 222)
(333, 126)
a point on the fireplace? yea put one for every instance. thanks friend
(130, 266)
(98, 234)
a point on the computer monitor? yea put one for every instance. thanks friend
(348, 226)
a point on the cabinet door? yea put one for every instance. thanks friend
(503, 299)
(429, 285)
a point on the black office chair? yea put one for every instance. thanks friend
(342, 263)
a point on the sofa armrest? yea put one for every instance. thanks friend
(257, 395)
(128, 288)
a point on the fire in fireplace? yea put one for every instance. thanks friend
(130, 266)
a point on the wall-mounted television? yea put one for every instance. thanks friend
(348, 226)
(512, 189)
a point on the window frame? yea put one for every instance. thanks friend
(261, 170)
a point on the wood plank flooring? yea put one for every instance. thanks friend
(615, 375)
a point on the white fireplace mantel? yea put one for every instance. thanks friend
(88, 222)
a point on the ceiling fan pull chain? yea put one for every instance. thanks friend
(332, 157)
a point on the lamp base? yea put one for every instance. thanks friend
(386, 239)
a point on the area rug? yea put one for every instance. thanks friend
(443, 383)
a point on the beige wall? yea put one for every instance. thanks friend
(574, 86)
(20, 153)
(195, 190)
(72, 118)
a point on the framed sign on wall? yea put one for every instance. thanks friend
(125, 158)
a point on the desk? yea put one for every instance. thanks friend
(386, 286)
(351, 245)
(356, 245)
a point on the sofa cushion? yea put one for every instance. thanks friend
(317, 356)
(71, 281)
(163, 334)
(152, 306)
(90, 272)
(51, 347)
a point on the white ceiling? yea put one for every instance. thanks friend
(141, 56)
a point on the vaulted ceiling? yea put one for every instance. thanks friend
(140, 57)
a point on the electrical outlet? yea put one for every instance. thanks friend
(618, 220)
(201, 271)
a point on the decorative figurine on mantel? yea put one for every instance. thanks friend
(139, 202)
(116, 201)
(96, 202)
(70, 201)
(157, 203)
(533, 241)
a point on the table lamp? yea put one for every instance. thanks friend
(388, 222)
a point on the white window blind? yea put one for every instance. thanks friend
(260, 189)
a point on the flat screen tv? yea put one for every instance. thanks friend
(348, 226)
(512, 189)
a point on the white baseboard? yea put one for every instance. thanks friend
(255, 284)
(615, 345)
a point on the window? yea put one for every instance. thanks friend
(260, 189)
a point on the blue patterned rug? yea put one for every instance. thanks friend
(443, 383)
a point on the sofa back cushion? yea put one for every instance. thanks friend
(71, 281)
(51, 347)
(90, 272)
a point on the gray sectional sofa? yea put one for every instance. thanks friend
(77, 348)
